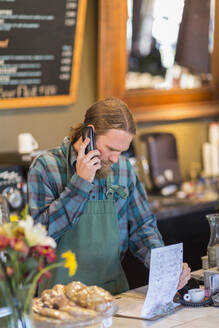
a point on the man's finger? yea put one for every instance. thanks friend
(95, 160)
(93, 153)
(185, 276)
(83, 146)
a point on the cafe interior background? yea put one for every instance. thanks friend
(182, 100)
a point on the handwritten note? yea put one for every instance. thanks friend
(165, 269)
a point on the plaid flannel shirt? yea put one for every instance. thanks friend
(58, 204)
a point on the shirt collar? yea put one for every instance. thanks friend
(72, 154)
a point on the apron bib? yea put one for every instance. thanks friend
(95, 240)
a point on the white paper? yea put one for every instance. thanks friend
(165, 270)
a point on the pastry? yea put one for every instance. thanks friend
(73, 288)
(95, 298)
(56, 314)
(73, 302)
(37, 304)
(60, 301)
(57, 290)
(39, 317)
(79, 313)
(46, 295)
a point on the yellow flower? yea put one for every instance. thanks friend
(70, 262)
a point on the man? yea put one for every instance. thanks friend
(94, 203)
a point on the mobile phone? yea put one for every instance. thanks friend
(88, 131)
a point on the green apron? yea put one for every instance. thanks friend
(95, 240)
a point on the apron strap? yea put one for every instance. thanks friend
(67, 162)
(68, 174)
(111, 189)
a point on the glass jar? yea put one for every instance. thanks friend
(25, 319)
(8, 317)
(12, 311)
(213, 220)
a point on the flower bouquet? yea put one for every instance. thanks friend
(27, 254)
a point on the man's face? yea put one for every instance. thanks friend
(110, 146)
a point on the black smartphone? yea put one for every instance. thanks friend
(88, 131)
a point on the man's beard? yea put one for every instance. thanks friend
(104, 171)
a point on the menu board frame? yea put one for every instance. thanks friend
(57, 100)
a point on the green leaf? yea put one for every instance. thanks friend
(28, 269)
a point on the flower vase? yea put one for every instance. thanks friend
(8, 317)
(24, 315)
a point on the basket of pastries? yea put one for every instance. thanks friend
(72, 305)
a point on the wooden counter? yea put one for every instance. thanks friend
(183, 317)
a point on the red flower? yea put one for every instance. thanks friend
(40, 280)
(9, 271)
(4, 241)
(12, 242)
(46, 274)
(41, 250)
(51, 255)
(46, 251)
(19, 245)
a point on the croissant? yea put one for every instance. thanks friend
(79, 312)
(73, 288)
(95, 298)
(55, 314)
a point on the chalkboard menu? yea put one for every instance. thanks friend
(40, 51)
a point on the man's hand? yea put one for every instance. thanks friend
(185, 276)
(87, 165)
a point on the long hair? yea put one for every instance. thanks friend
(104, 115)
